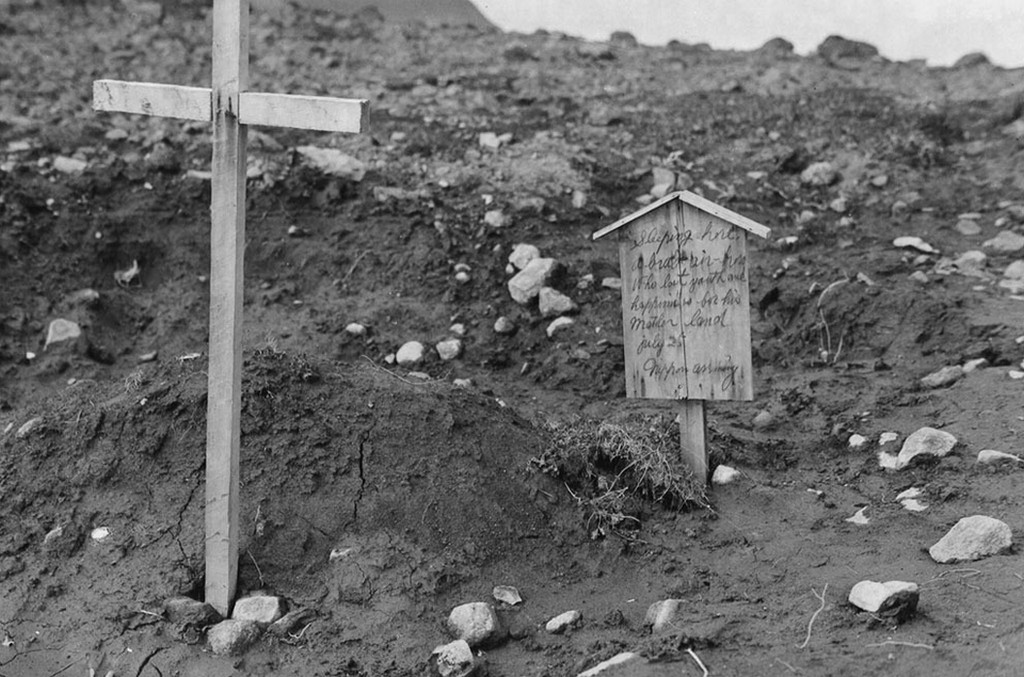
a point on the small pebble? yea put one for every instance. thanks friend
(563, 621)
(859, 517)
(991, 456)
(724, 475)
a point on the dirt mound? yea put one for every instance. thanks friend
(359, 488)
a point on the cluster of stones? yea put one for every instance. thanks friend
(481, 625)
(252, 618)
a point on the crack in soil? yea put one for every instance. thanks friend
(146, 660)
(363, 439)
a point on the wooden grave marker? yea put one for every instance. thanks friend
(230, 107)
(686, 308)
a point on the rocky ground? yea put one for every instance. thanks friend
(417, 431)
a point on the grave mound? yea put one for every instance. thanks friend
(359, 488)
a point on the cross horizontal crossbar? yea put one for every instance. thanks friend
(147, 98)
(320, 113)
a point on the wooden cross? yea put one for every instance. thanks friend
(231, 108)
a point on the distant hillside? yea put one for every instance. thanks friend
(451, 12)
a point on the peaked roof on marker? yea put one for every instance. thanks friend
(693, 200)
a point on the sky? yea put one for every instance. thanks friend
(939, 31)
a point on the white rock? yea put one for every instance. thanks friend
(259, 609)
(943, 377)
(1015, 271)
(975, 364)
(888, 461)
(355, 329)
(611, 282)
(489, 140)
(606, 667)
(819, 174)
(971, 263)
(62, 330)
(887, 437)
(410, 353)
(334, 162)
(763, 419)
(99, 533)
(1015, 374)
(69, 165)
(661, 615)
(232, 637)
(662, 176)
(988, 456)
(507, 595)
(912, 492)
(462, 277)
(449, 349)
(503, 325)
(1006, 242)
(660, 190)
(475, 622)
(552, 302)
(579, 199)
(909, 242)
(462, 383)
(859, 517)
(967, 227)
(925, 442)
(522, 254)
(972, 538)
(563, 621)
(914, 505)
(454, 659)
(559, 324)
(900, 597)
(526, 284)
(856, 441)
(458, 329)
(724, 475)
(495, 218)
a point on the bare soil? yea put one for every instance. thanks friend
(435, 489)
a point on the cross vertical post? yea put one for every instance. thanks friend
(231, 108)
(227, 240)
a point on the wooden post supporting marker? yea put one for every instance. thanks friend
(230, 107)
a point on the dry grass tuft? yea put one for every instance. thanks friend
(611, 470)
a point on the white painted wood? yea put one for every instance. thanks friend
(227, 243)
(147, 98)
(320, 113)
(691, 199)
(752, 227)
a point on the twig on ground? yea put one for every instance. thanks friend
(893, 642)
(814, 616)
(258, 572)
(696, 659)
(788, 666)
(968, 573)
(355, 263)
(388, 371)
